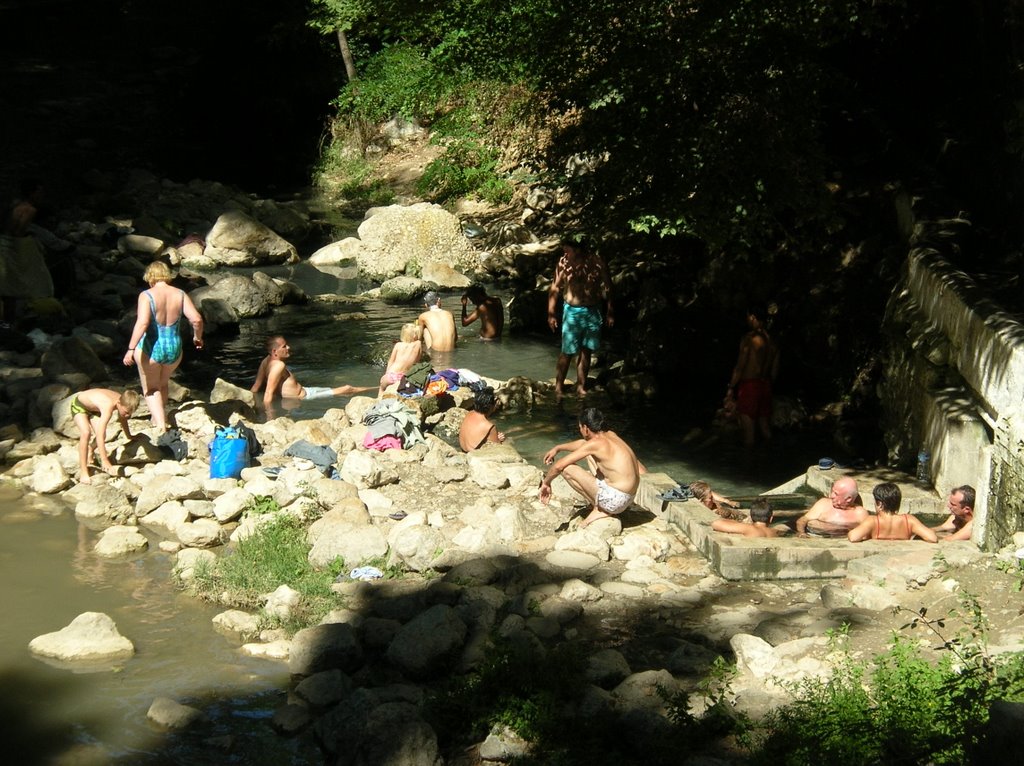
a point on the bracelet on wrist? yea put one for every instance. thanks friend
(131, 348)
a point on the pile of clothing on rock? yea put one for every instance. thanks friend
(421, 380)
(392, 425)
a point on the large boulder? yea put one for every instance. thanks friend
(72, 355)
(244, 297)
(336, 253)
(400, 240)
(238, 240)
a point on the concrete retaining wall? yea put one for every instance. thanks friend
(954, 384)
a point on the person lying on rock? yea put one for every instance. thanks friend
(278, 379)
(888, 523)
(961, 519)
(100, 403)
(715, 502)
(835, 515)
(404, 354)
(760, 517)
(614, 477)
(477, 429)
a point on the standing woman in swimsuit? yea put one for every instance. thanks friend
(155, 345)
(888, 523)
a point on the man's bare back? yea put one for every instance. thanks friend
(438, 325)
(582, 279)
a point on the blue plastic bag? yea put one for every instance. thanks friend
(229, 453)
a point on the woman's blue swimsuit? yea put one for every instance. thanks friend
(162, 343)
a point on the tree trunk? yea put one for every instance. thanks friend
(346, 55)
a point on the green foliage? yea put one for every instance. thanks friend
(348, 175)
(903, 708)
(467, 168)
(275, 554)
(262, 505)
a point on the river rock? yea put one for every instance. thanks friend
(321, 690)
(398, 240)
(325, 647)
(428, 643)
(229, 506)
(171, 714)
(336, 252)
(166, 519)
(334, 535)
(90, 637)
(201, 533)
(120, 540)
(364, 471)
(140, 450)
(238, 240)
(238, 622)
(403, 290)
(245, 296)
(189, 560)
(224, 391)
(49, 475)
(159, 489)
(101, 500)
(72, 355)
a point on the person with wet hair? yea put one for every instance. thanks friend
(477, 429)
(488, 310)
(960, 523)
(614, 476)
(715, 502)
(760, 517)
(888, 523)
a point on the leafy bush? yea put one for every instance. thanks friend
(467, 168)
(902, 708)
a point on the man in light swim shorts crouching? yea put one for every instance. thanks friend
(612, 482)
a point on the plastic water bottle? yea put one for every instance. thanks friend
(923, 473)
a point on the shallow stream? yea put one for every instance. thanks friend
(50, 574)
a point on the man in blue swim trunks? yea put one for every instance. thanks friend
(582, 281)
(614, 476)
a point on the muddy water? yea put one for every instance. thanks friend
(50, 575)
(57, 714)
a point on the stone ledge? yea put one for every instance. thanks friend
(786, 558)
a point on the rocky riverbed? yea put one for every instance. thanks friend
(475, 559)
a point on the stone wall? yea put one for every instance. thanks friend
(953, 382)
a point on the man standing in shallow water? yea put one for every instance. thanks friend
(751, 383)
(582, 280)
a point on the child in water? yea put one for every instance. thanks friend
(100, 403)
(406, 352)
